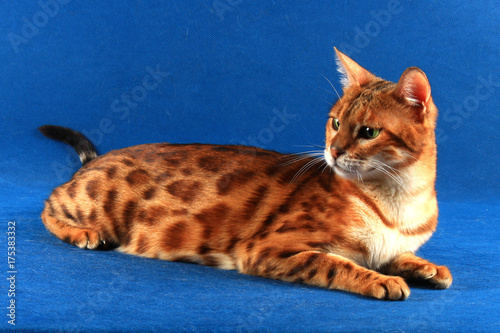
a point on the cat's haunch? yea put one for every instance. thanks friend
(350, 219)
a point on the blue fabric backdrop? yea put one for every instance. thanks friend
(236, 71)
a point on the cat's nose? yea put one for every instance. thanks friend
(336, 152)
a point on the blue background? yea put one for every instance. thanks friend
(228, 68)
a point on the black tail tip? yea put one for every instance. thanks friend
(44, 128)
(58, 133)
(84, 148)
(49, 130)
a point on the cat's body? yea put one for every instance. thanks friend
(275, 215)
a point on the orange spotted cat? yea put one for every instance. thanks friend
(354, 226)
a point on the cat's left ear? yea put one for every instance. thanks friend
(352, 73)
(414, 89)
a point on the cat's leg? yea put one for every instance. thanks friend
(411, 267)
(84, 238)
(323, 270)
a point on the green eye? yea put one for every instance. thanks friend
(368, 132)
(335, 124)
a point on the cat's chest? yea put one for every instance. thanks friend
(384, 242)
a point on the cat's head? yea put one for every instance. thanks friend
(379, 128)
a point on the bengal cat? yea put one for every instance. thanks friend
(349, 220)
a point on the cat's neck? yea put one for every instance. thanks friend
(409, 202)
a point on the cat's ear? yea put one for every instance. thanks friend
(414, 89)
(352, 73)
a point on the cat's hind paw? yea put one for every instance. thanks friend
(86, 239)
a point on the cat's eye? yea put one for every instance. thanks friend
(335, 124)
(369, 132)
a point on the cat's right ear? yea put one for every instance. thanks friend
(414, 89)
(352, 73)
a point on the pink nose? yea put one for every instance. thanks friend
(336, 152)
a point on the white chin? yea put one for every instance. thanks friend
(329, 159)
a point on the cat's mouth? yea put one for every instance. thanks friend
(353, 172)
(347, 169)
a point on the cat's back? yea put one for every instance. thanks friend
(161, 161)
(180, 172)
(147, 182)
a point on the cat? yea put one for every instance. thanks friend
(349, 220)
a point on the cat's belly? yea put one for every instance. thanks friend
(219, 260)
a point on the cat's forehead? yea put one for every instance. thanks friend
(360, 104)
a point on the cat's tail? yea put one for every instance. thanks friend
(84, 148)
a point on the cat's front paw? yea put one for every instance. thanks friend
(411, 267)
(438, 276)
(392, 288)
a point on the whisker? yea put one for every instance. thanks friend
(305, 168)
(390, 167)
(391, 171)
(333, 88)
(325, 90)
(391, 175)
(294, 158)
(410, 155)
(388, 170)
(324, 168)
(360, 177)
(310, 146)
(385, 171)
(305, 153)
(309, 152)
